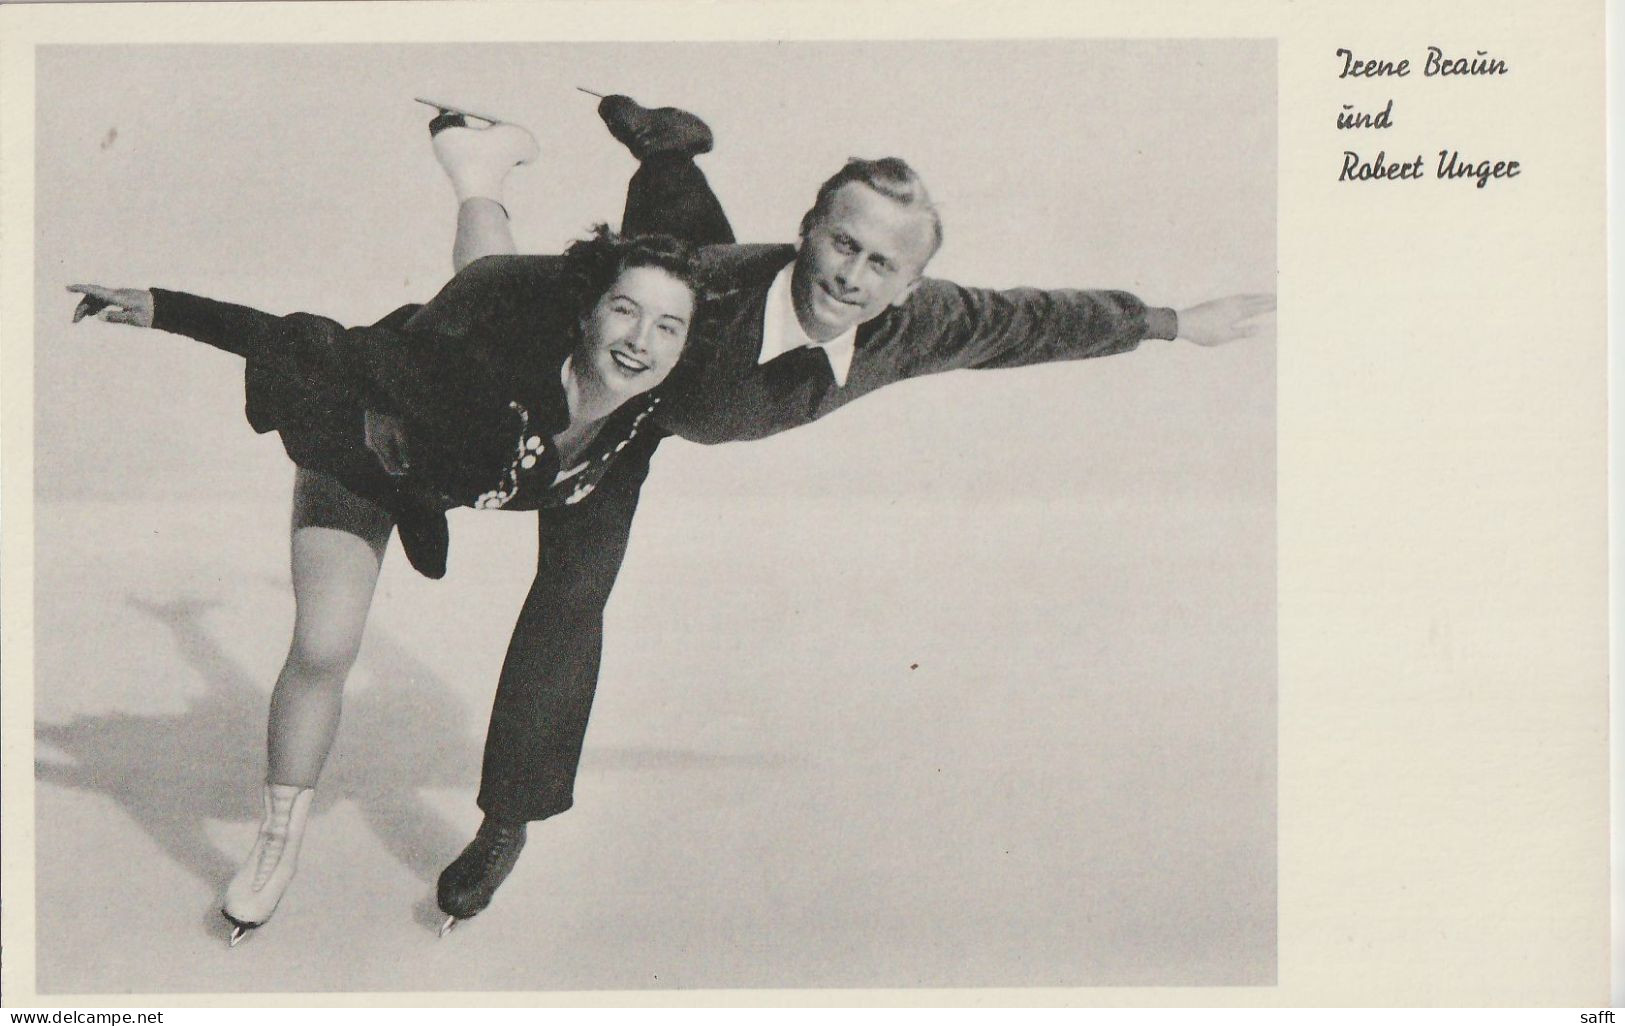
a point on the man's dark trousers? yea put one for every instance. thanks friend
(550, 673)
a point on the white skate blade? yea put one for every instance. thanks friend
(447, 108)
(449, 925)
(238, 935)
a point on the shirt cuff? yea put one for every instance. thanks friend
(1161, 322)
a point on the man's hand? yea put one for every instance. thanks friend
(1219, 321)
(386, 437)
(122, 306)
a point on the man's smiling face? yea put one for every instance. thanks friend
(864, 254)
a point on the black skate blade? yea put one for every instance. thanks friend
(447, 108)
(589, 92)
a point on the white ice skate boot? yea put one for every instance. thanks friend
(253, 893)
(478, 159)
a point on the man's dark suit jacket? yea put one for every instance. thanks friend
(720, 394)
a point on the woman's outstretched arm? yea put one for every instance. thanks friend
(316, 351)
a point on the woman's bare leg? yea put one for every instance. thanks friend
(482, 230)
(337, 547)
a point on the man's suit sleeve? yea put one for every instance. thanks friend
(953, 326)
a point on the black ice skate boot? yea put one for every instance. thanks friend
(468, 884)
(648, 132)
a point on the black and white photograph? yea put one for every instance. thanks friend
(512, 594)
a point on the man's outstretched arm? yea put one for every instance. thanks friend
(944, 326)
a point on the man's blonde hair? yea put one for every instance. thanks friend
(889, 176)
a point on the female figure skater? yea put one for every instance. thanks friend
(497, 418)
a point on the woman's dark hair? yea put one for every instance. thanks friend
(592, 265)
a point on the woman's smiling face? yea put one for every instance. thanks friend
(636, 331)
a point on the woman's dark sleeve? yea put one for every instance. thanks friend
(320, 353)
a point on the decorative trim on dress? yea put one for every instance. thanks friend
(530, 449)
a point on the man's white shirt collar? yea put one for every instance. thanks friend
(781, 331)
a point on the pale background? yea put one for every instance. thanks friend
(1443, 782)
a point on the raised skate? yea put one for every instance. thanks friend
(478, 159)
(253, 894)
(648, 132)
(467, 886)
